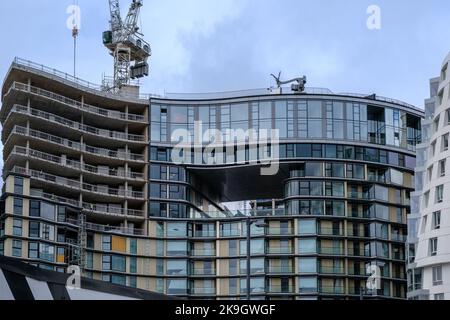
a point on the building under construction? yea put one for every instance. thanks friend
(89, 180)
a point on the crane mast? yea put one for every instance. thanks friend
(127, 46)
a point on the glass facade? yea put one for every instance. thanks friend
(336, 205)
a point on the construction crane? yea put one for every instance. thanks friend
(126, 44)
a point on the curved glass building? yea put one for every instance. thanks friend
(157, 193)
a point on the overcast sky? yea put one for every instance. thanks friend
(205, 45)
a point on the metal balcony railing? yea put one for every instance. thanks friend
(336, 251)
(326, 231)
(280, 250)
(277, 231)
(280, 269)
(109, 229)
(76, 145)
(76, 125)
(331, 270)
(113, 114)
(76, 81)
(280, 289)
(203, 272)
(332, 289)
(205, 234)
(203, 252)
(75, 164)
(202, 291)
(77, 185)
(104, 209)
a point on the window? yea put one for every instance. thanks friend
(445, 139)
(256, 285)
(433, 246)
(17, 227)
(307, 227)
(18, 185)
(89, 260)
(34, 229)
(334, 170)
(106, 262)
(33, 250)
(439, 296)
(442, 164)
(314, 170)
(47, 252)
(35, 208)
(118, 263)
(437, 275)
(133, 246)
(17, 248)
(233, 267)
(307, 246)
(176, 267)
(440, 194)
(176, 229)
(18, 206)
(61, 214)
(47, 232)
(106, 243)
(132, 282)
(48, 211)
(307, 265)
(436, 220)
(176, 248)
(2, 248)
(447, 117)
(307, 284)
(232, 286)
(176, 286)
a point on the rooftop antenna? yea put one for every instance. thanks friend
(75, 31)
(297, 87)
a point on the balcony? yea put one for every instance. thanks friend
(331, 289)
(280, 269)
(66, 123)
(331, 270)
(365, 196)
(77, 165)
(103, 209)
(333, 251)
(276, 231)
(398, 237)
(77, 185)
(279, 289)
(108, 229)
(203, 252)
(112, 154)
(326, 231)
(202, 291)
(112, 114)
(202, 272)
(280, 250)
(204, 234)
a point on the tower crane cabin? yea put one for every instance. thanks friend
(126, 44)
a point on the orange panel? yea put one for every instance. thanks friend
(119, 244)
(60, 258)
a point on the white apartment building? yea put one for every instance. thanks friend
(429, 222)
